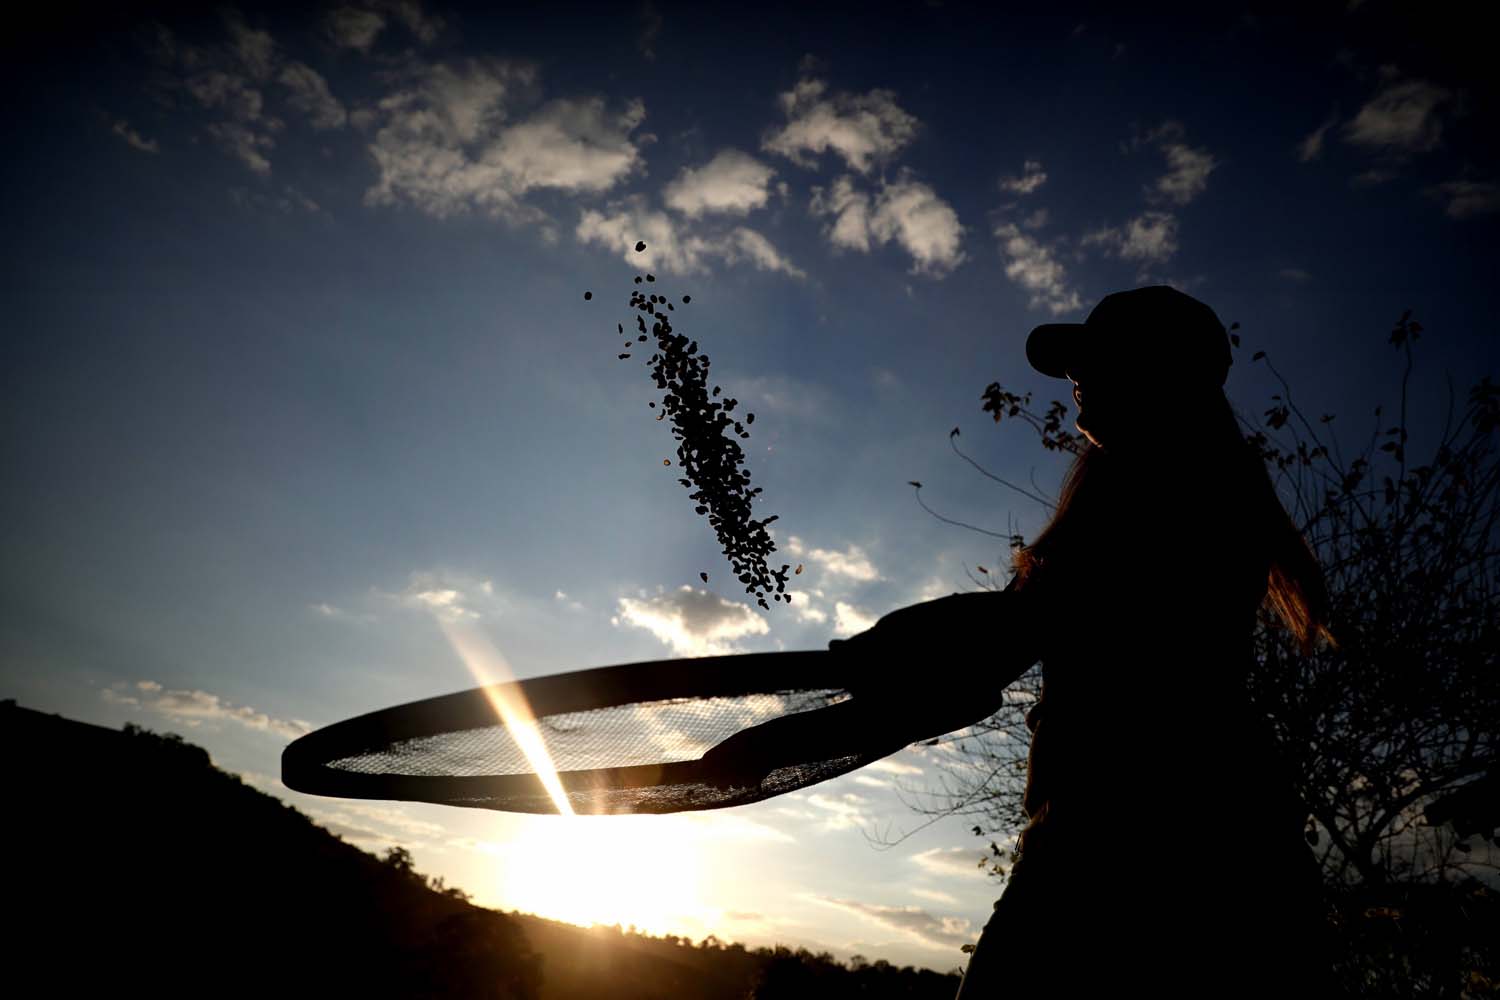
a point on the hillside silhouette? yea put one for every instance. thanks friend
(136, 863)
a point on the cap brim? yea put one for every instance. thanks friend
(1051, 346)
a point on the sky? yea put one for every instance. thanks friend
(298, 365)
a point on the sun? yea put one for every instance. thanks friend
(641, 870)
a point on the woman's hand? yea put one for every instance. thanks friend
(740, 761)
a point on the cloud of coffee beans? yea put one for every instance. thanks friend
(702, 424)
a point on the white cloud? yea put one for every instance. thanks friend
(1187, 168)
(692, 622)
(1032, 177)
(890, 765)
(1187, 173)
(446, 144)
(871, 782)
(1037, 270)
(194, 707)
(905, 210)
(860, 128)
(839, 812)
(924, 225)
(804, 609)
(394, 818)
(964, 862)
(1150, 237)
(936, 896)
(850, 562)
(668, 248)
(1311, 147)
(732, 183)
(425, 27)
(915, 922)
(248, 144)
(232, 93)
(849, 620)
(255, 49)
(850, 210)
(574, 144)
(350, 832)
(311, 96)
(451, 597)
(353, 28)
(1467, 199)
(933, 587)
(629, 221)
(1402, 117)
(357, 27)
(742, 243)
(122, 129)
(379, 824)
(225, 80)
(1036, 220)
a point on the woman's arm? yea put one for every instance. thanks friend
(921, 671)
(944, 664)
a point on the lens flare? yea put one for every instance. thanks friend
(493, 673)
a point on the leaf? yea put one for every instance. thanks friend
(1257, 355)
(703, 577)
(799, 570)
(1234, 339)
(640, 245)
(953, 433)
(587, 296)
(913, 482)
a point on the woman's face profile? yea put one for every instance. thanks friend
(1120, 408)
(1092, 398)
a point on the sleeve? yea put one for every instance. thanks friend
(944, 664)
(919, 672)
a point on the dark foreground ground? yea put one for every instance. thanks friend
(136, 866)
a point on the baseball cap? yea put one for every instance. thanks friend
(1156, 329)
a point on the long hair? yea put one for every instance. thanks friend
(1295, 589)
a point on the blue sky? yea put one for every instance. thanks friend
(297, 357)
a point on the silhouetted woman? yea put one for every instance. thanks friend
(1164, 847)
